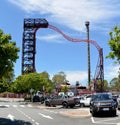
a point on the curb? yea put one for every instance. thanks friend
(76, 113)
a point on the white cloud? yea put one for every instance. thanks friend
(72, 13)
(73, 76)
(51, 38)
(111, 71)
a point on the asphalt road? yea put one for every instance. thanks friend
(15, 113)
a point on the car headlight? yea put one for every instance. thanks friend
(97, 103)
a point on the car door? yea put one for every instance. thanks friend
(56, 100)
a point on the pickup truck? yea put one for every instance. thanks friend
(63, 100)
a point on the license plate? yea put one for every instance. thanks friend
(105, 109)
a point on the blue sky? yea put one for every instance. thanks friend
(55, 53)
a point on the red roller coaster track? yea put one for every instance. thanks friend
(99, 74)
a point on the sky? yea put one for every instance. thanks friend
(54, 53)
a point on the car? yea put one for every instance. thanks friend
(63, 100)
(102, 102)
(85, 100)
(36, 98)
(118, 102)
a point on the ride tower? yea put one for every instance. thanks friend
(29, 43)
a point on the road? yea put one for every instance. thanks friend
(15, 113)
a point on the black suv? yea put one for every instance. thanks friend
(102, 102)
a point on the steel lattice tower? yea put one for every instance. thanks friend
(29, 43)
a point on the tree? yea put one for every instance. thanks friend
(8, 54)
(115, 84)
(98, 86)
(36, 81)
(4, 86)
(114, 43)
(59, 78)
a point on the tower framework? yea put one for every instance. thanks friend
(29, 43)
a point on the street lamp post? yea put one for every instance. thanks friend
(88, 51)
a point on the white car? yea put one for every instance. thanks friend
(118, 102)
(85, 101)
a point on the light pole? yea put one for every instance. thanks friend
(88, 50)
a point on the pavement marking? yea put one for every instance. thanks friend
(92, 119)
(36, 123)
(23, 106)
(11, 117)
(27, 116)
(29, 105)
(45, 116)
(104, 121)
(7, 105)
(14, 106)
(50, 111)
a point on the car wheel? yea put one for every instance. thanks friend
(47, 103)
(65, 105)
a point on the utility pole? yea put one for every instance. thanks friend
(88, 51)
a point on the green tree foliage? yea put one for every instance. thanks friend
(36, 81)
(64, 89)
(8, 54)
(3, 86)
(115, 84)
(59, 78)
(100, 87)
(114, 43)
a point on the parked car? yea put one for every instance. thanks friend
(85, 100)
(102, 102)
(63, 100)
(118, 102)
(38, 97)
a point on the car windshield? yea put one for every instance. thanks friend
(101, 97)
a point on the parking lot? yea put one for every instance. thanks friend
(101, 119)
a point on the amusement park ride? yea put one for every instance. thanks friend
(29, 47)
